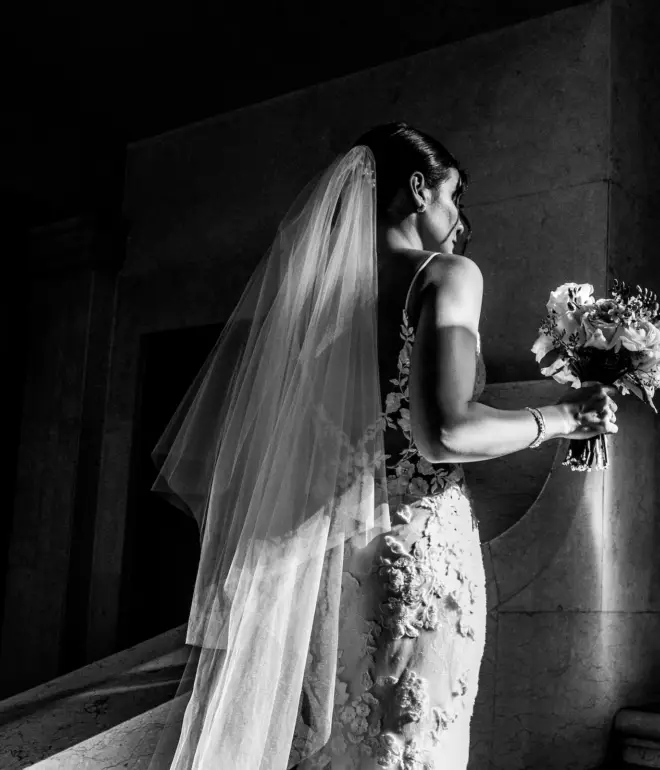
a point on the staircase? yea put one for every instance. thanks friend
(105, 716)
(109, 715)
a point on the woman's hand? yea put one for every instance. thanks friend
(589, 411)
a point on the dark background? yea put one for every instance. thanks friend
(80, 81)
(161, 544)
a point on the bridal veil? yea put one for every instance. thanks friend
(277, 451)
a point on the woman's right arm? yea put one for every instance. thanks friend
(447, 425)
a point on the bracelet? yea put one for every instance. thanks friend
(540, 422)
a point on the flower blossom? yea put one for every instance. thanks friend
(644, 336)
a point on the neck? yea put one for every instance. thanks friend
(401, 236)
(400, 254)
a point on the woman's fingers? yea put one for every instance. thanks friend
(610, 425)
(599, 402)
(597, 412)
(602, 419)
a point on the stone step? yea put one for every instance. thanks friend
(641, 756)
(643, 723)
(129, 745)
(639, 733)
(45, 722)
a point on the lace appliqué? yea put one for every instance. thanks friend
(393, 754)
(411, 474)
(356, 727)
(418, 578)
(411, 705)
(425, 582)
(389, 749)
(349, 462)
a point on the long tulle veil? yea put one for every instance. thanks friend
(277, 451)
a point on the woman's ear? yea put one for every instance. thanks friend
(421, 195)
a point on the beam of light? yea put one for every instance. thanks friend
(596, 501)
(603, 510)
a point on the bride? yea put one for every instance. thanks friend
(338, 619)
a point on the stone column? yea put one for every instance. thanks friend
(69, 307)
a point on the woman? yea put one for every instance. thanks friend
(339, 612)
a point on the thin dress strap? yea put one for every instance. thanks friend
(419, 270)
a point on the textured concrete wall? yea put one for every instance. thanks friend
(525, 109)
(576, 638)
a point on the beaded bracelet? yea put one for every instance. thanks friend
(540, 422)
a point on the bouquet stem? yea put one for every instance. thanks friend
(590, 454)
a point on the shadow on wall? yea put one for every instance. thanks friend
(162, 543)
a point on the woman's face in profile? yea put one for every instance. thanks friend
(440, 225)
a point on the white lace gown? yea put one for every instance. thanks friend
(412, 617)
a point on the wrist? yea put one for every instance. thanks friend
(558, 421)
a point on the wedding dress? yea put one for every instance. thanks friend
(412, 614)
(338, 614)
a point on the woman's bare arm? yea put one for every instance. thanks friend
(446, 424)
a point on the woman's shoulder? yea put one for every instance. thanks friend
(454, 268)
(452, 278)
(436, 277)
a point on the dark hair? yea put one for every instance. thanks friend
(400, 150)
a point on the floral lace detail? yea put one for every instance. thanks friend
(352, 459)
(461, 685)
(412, 697)
(356, 728)
(412, 474)
(354, 717)
(432, 569)
(422, 570)
(393, 754)
(442, 720)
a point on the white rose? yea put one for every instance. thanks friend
(645, 336)
(648, 361)
(601, 333)
(608, 308)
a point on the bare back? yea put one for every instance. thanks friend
(446, 370)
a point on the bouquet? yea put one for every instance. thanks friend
(614, 341)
